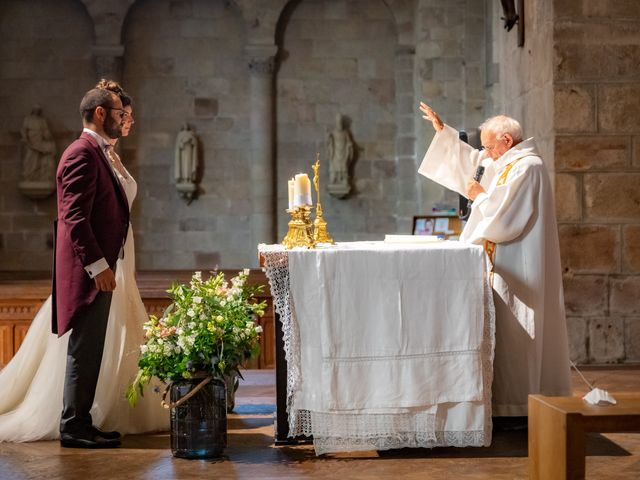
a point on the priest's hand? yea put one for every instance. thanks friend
(106, 281)
(432, 116)
(474, 189)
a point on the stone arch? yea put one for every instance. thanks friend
(56, 71)
(261, 18)
(108, 19)
(177, 47)
(403, 12)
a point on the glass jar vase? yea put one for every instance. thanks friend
(199, 422)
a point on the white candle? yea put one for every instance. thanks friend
(290, 189)
(301, 190)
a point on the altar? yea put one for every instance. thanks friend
(387, 345)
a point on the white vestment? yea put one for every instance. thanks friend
(517, 214)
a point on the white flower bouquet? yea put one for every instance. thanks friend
(210, 328)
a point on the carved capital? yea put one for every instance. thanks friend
(261, 59)
(262, 66)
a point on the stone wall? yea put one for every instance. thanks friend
(185, 62)
(45, 60)
(575, 86)
(222, 66)
(339, 57)
(450, 76)
(597, 110)
(523, 87)
(374, 61)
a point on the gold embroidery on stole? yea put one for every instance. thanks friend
(489, 246)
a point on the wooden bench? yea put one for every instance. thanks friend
(558, 427)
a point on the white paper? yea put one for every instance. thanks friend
(411, 238)
(598, 396)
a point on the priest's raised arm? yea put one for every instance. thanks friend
(449, 161)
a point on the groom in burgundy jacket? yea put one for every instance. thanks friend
(92, 223)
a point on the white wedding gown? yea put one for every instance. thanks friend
(31, 385)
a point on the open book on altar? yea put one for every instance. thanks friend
(411, 238)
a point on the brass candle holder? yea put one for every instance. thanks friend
(320, 234)
(300, 232)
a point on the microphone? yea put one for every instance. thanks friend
(477, 177)
(479, 172)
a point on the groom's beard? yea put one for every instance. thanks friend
(113, 128)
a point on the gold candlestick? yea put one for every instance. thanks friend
(320, 234)
(300, 232)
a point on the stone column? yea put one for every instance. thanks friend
(108, 61)
(263, 189)
(406, 161)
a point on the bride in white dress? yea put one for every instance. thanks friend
(32, 383)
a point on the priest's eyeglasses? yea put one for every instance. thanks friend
(490, 148)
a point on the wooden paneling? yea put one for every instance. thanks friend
(15, 316)
(268, 344)
(21, 299)
(20, 330)
(6, 343)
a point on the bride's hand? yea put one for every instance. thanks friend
(432, 116)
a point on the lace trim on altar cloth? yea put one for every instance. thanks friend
(351, 433)
(475, 438)
(324, 424)
(276, 268)
(488, 349)
(337, 432)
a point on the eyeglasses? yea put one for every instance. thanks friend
(121, 112)
(490, 148)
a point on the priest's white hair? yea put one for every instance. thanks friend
(502, 124)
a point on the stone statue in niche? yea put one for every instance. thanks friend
(38, 152)
(340, 149)
(186, 163)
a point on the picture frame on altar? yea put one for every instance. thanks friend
(442, 224)
(422, 226)
(447, 227)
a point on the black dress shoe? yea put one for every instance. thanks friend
(69, 440)
(113, 435)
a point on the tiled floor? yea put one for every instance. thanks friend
(251, 453)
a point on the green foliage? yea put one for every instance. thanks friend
(210, 327)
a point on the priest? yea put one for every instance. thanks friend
(513, 217)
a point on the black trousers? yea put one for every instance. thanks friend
(84, 356)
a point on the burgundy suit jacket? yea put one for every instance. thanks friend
(93, 218)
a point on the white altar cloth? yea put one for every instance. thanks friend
(387, 345)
